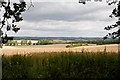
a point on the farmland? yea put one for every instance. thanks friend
(55, 45)
(60, 60)
(10, 50)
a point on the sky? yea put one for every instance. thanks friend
(65, 19)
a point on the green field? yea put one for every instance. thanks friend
(62, 65)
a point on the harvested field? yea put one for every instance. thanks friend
(11, 50)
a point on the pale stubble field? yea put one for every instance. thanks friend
(11, 50)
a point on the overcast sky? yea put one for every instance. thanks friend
(65, 19)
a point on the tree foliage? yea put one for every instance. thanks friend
(12, 15)
(115, 13)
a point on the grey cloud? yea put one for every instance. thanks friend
(63, 26)
(65, 19)
(64, 11)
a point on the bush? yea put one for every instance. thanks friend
(29, 42)
(11, 43)
(76, 45)
(44, 42)
(24, 42)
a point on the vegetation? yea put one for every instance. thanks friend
(24, 42)
(73, 43)
(16, 43)
(29, 42)
(98, 42)
(44, 42)
(76, 45)
(115, 13)
(11, 14)
(39, 42)
(62, 65)
(11, 43)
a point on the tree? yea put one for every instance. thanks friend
(115, 13)
(12, 15)
(29, 42)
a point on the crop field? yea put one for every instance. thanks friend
(56, 61)
(11, 50)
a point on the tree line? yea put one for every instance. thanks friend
(47, 42)
(28, 42)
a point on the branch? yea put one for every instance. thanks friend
(31, 5)
(4, 17)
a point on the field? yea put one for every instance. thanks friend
(56, 61)
(11, 50)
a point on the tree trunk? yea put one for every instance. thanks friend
(0, 38)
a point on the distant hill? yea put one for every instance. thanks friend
(58, 38)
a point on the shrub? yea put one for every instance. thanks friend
(24, 42)
(29, 42)
(76, 45)
(44, 42)
(11, 43)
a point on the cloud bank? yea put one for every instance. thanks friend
(54, 19)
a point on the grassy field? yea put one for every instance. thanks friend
(62, 65)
